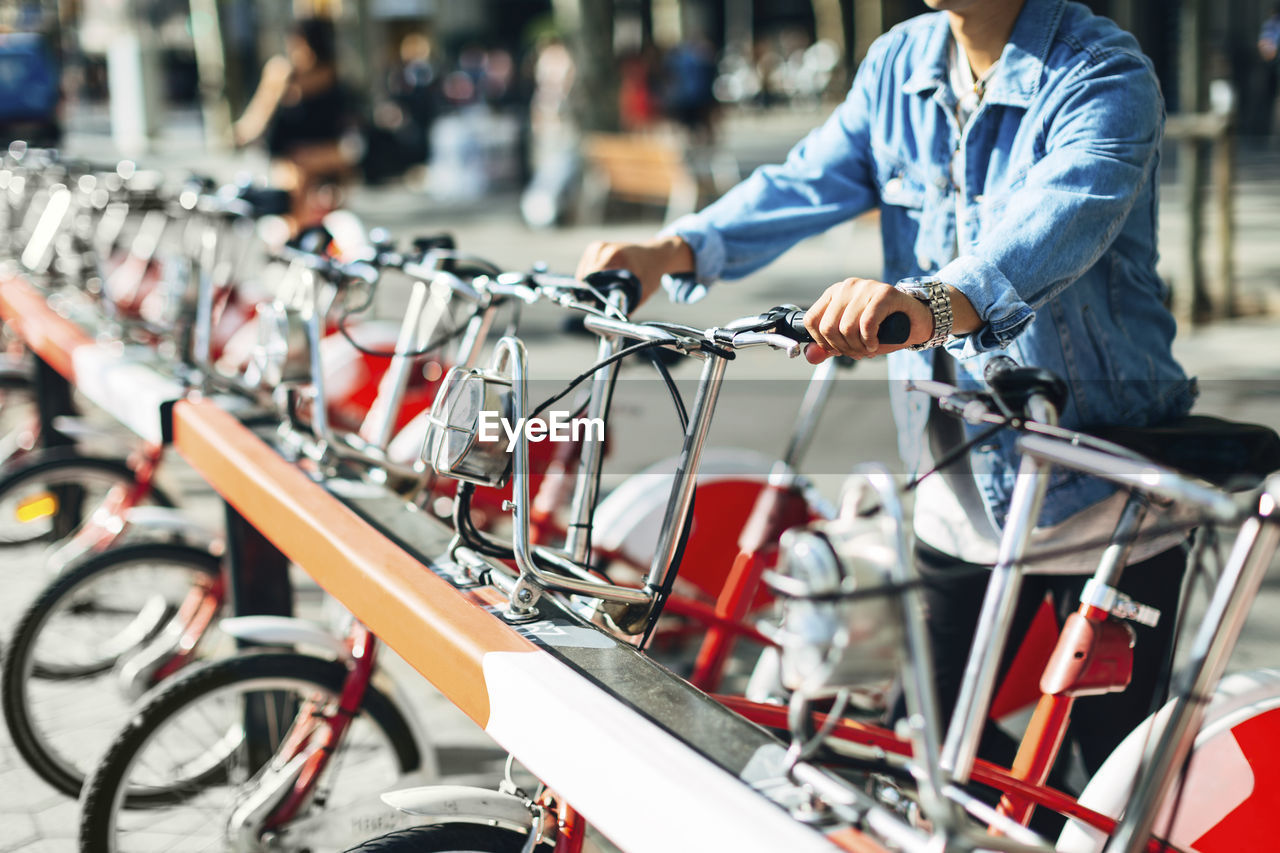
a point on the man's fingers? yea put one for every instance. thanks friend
(815, 354)
(830, 327)
(873, 315)
(813, 318)
(850, 322)
(596, 257)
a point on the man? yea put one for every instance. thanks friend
(1012, 147)
(1269, 51)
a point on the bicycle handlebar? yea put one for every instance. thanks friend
(895, 329)
(331, 268)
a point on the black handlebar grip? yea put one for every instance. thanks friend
(894, 329)
(442, 242)
(266, 201)
(624, 281)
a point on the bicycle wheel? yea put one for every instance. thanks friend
(185, 762)
(61, 699)
(49, 495)
(17, 414)
(446, 838)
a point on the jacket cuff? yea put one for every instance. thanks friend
(708, 252)
(1003, 312)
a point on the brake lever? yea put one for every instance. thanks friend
(749, 339)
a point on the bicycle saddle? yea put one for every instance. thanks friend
(1225, 453)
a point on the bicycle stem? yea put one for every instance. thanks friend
(969, 718)
(578, 539)
(686, 475)
(816, 395)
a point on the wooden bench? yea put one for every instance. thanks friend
(636, 168)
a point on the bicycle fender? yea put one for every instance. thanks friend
(394, 690)
(173, 522)
(284, 631)
(462, 803)
(1226, 798)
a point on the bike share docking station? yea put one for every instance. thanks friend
(551, 688)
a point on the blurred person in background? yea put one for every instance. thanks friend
(637, 90)
(554, 134)
(398, 139)
(30, 89)
(414, 85)
(1269, 50)
(302, 112)
(689, 88)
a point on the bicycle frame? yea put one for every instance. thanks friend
(1024, 788)
(363, 648)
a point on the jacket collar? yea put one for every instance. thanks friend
(1021, 63)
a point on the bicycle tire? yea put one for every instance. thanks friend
(66, 462)
(19, 428)
(446, 838)
(105, 794)
(20, 665)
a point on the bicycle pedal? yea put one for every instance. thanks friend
(1118, 604)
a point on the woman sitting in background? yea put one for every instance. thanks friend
(302, 112)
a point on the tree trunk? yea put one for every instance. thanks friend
(828, 24)
(596, 89)
(206, 32)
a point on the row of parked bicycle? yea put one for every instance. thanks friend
(129, 683)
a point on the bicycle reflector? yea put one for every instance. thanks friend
(456, 445)
(841, 621)
(36, 507)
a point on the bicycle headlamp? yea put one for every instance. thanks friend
(283, 352)
(841, 615)
(455, 444)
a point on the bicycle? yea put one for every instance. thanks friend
(133, 633)
(255, 749)
(1097, 666)
(938, 793)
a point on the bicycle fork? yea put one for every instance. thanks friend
(291, 778)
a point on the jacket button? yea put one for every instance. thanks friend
(893, 185)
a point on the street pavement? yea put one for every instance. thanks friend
(1237, 362)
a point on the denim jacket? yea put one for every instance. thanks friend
(1055, 244)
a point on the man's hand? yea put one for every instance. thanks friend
(846, 318)
(648, 261)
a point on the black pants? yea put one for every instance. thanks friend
(953, 592)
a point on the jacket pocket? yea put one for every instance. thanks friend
(1114, 395)
(902, 202)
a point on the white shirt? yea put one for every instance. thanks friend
(949, 514)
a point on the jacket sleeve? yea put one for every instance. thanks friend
(1100, 143)
(826, 179)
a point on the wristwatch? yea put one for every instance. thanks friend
(935, 294)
